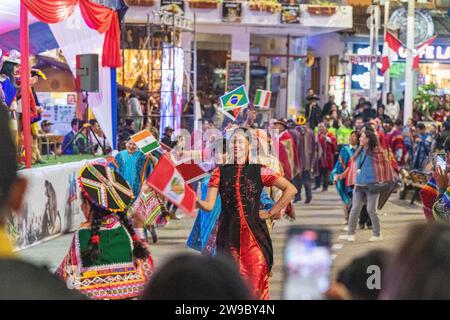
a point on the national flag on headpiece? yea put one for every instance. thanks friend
(237, 98)
(262, 99)
(145, 141)
(420, 49)
(390, 48)
(166, 180)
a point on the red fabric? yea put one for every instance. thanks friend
(288, 155)
(215, 178)
(268, 177)
(50, 11)
(396, 142)
(329, 146)
(391, 46)
(420, 49)
(97, 17)
(103, 20)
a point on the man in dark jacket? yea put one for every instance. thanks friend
(20, 280)
(327, 106)
(313, 112)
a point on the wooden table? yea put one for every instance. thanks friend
(48, 139)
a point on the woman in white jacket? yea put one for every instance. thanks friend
(392, 107)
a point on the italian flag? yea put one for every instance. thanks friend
(390, 48)
(145, 141)
(262, 99)
(167, 181)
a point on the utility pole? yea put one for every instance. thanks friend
(409, 74)
(374, 24)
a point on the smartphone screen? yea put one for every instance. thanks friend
(441, 161)
(307, 263)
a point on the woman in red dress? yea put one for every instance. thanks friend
(242, 230)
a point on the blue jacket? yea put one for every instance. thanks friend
(366, 171)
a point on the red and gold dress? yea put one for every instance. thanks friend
(241, 232)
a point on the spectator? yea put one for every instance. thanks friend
(130, 126)
(97, 139)
(443, 136)
(401, 104)
(359, 123)
(80, 144)
(69, 138)
(313, 112)
(395, 141)
(354, 275)
(381, 114)
(423, 147)
(20, 280)
(392, 107)
(359, 108)
(419, 269)
(345, 113)
(135, 111)
(326, 111)
(368, 112)
(327, 143)
(191, 277)
(167, 138)
(46, 128)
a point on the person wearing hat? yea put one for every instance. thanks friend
(10, 87)
(287, 150)
(45, 129)
(167, 138)
(313, 112)
(20, 279)
(107, 258)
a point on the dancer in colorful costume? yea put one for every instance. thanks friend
(106, 259)
(242, 232)
(204, 231)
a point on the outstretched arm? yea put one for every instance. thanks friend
(208, 203)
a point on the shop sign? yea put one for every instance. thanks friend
(433, 52)
(232, 12)
(290, 13)
(356, 58)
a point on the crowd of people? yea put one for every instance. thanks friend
(362, 151)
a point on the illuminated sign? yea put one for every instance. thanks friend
(361, 70)
(433, 52)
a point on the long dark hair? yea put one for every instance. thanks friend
(93, 253)
(8, 70)
(373, 139)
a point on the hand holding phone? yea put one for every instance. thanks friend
(307, 263)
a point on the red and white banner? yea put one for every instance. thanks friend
(390, 49)
(167, 181)
(419, 50)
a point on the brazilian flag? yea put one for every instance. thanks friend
(237, 98)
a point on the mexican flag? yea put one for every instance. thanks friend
(145, 141)
(262, 99)
(167, 181)
(237, 98)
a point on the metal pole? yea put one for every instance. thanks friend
(409, 74)
(387, 78)
(374, 23)
(288, 60)
(25, 82)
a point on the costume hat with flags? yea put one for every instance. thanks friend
(390, 49)
(105, 188)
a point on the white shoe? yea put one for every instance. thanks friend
(343, 237)
(345, 228)
(345, 222)
(375, 238)
(351, 238)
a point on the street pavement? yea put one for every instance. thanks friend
(325, 211)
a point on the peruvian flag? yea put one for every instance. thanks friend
(390, 48)
(420, 49)
(167, 181)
